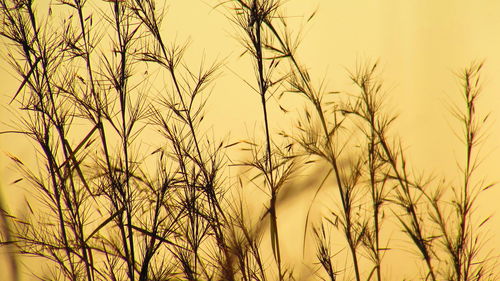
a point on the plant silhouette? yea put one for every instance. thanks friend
(105, 205)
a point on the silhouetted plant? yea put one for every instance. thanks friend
(460, 235)
(108, 207)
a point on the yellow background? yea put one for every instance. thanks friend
(421, 46)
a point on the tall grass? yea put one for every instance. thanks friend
(107, 204)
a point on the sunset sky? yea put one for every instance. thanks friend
(421, 47)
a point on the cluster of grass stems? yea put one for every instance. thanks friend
(110, 205)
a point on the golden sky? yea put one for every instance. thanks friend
(421, 46)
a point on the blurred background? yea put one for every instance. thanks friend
(421, 47)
